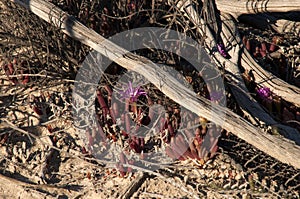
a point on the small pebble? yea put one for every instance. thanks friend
(27, 153)
(238, 176)
(185, 178)
(234, 185)
(24, 146)
(226, 186)
(226, 173)
(14, 159)
(223, 166)
(243, 186)
(3, 151)
(245, 196)
(15, 150)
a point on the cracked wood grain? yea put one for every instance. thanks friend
(239, 7)
(278, 148)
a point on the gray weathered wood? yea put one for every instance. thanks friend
(238, 7)
(283, 25)
(280, 149)
(264, 21)
(281, 88)
(249, 106)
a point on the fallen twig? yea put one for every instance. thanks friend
(134, 186)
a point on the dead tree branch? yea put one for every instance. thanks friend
(247, 103)
(278, 148)
(238, 7)
(281, 88)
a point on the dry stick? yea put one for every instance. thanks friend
(128, 191)
(46, 187)
(170, 180)
(263, 21)
(229, 29)
(249, 105)
(254, 6)
(288, 92)
(280, 149)
(283, 25)
(46, 141)
(279, 87)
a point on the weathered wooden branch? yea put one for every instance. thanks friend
(44, 187)
(283, 25)
(249, 103)
(278, 148)
(128, 191)
(240, 91)
(238, 7)
(264, 21)
(230, 35)
(281, 88)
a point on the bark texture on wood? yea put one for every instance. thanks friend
(278, 148)
(282, 26)
(249, 106)
(277, 23)
(239, 7)
(241, 92)
(281, 88)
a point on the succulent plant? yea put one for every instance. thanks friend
(264, 93)
(223, 51)
(132, 93)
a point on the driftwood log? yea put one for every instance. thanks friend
(229, 34)
(282, 26)
(281, 149)
(288, 92)
(238, 7)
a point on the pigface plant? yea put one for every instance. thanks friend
(132, 123)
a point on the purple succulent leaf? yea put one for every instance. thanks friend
(264, 93)
(222, 50)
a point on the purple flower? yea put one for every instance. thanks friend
(133, 93)
(222, 50)
(264, 93)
